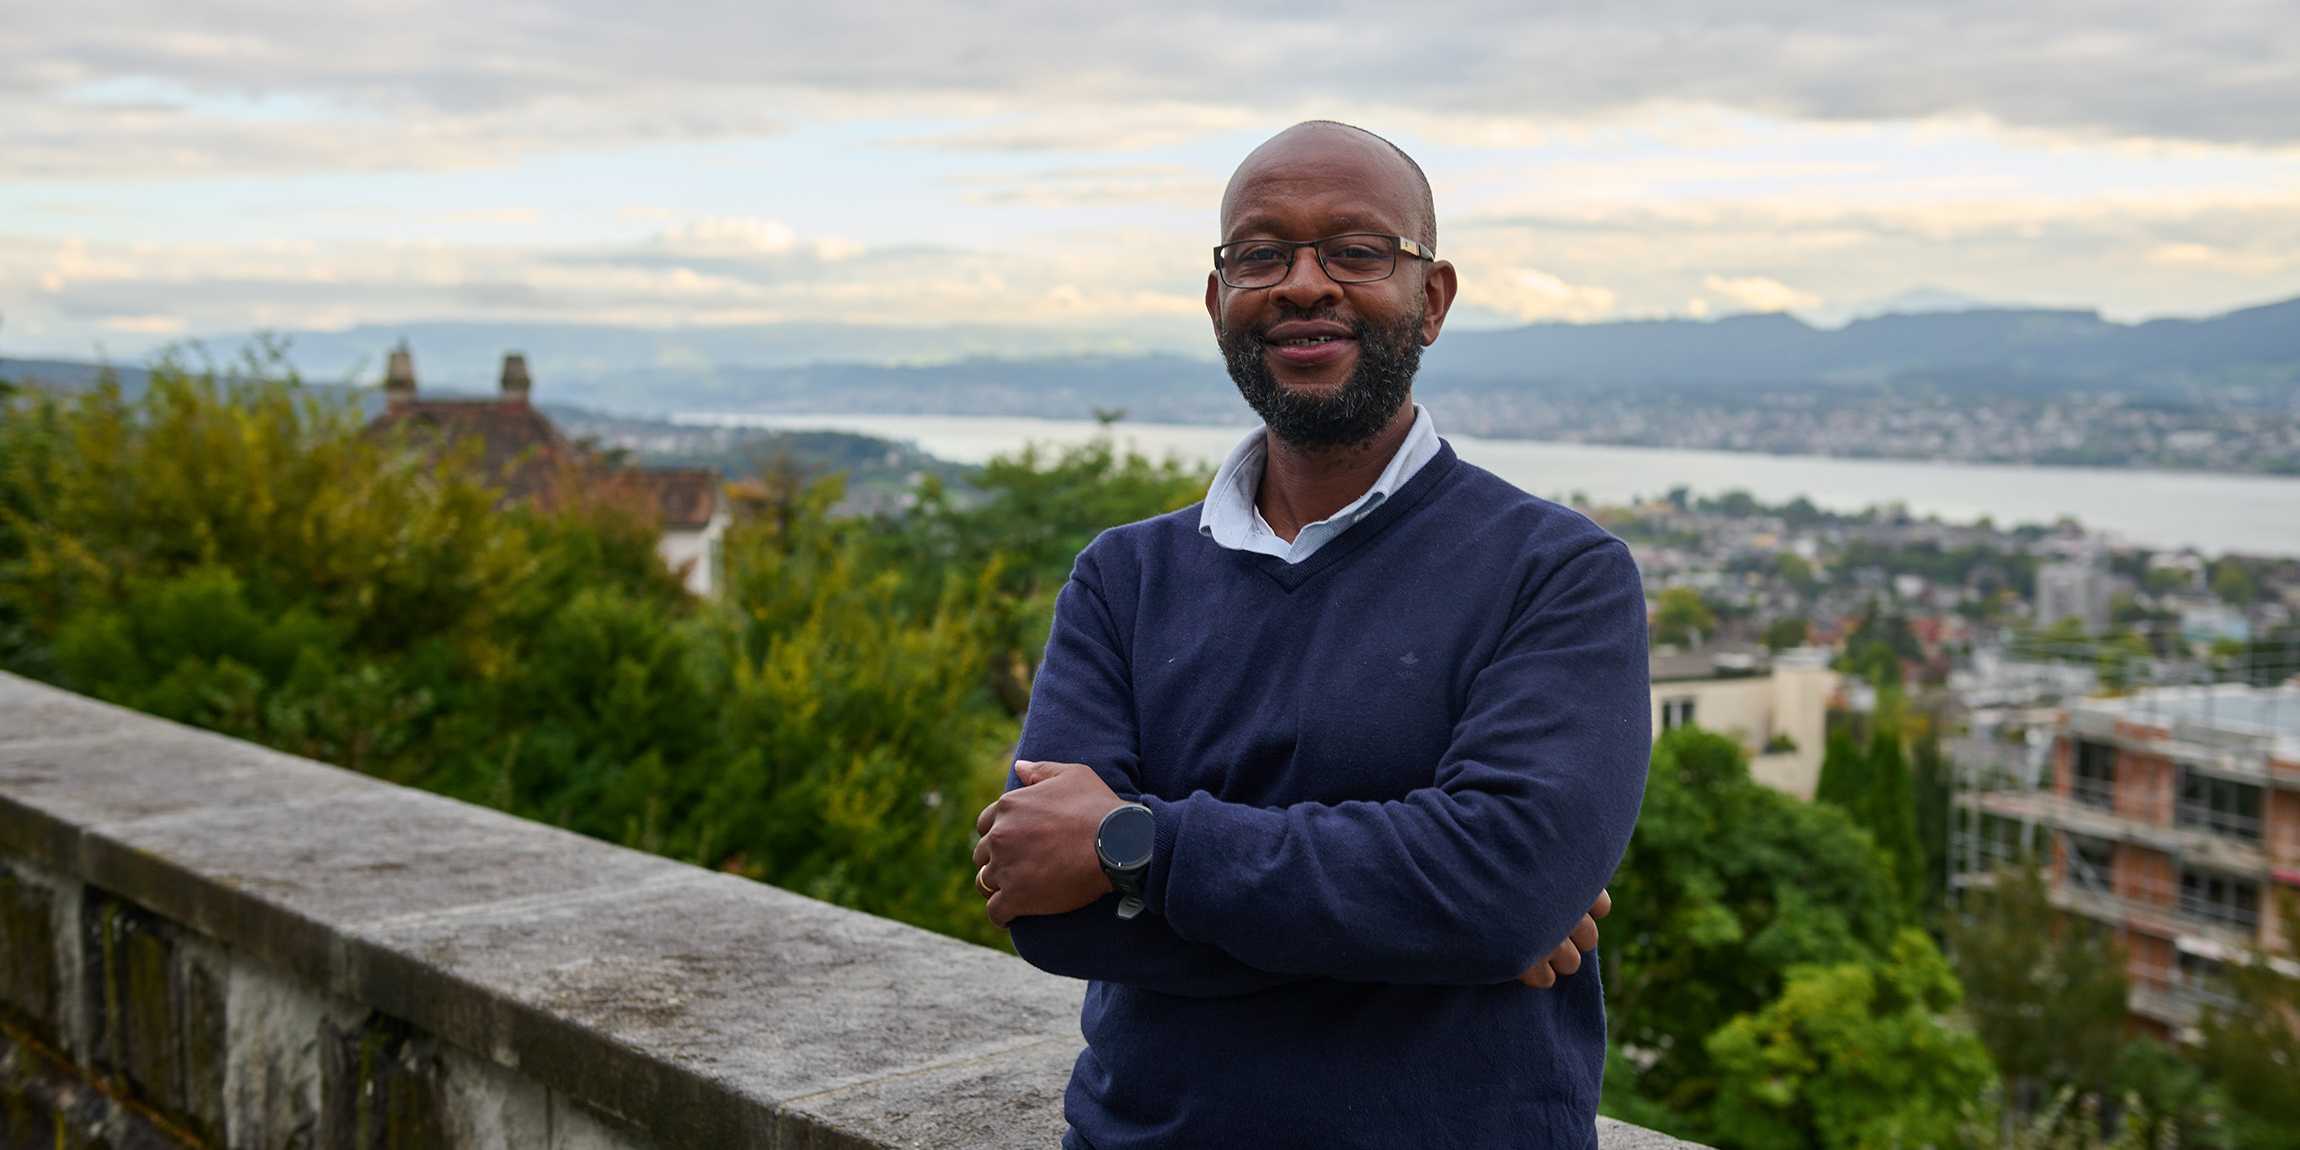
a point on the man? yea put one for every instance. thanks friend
(1317, 774)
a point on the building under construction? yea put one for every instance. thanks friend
(2171, 814)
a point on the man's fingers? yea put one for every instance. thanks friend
(1566, 959)
(1584, 934)
(1000, 914)
(988, 816)
(1539, 976)
(1603, 906)
(981, 851)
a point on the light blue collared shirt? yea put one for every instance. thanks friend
(1230, 518)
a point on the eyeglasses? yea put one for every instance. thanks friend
(1350, 258)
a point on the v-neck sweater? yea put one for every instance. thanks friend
(1385, 780)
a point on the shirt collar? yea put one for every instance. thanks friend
(1230, 518)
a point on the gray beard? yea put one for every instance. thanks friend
(1352, 416)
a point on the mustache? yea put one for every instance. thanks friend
(1358, 328)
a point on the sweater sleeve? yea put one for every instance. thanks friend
(1467, 881)
(1082, 710)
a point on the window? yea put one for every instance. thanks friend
(2091, 861)
(2224, 899)
(2220, 806)
(2095, 771)
(2205, 978)
(1676, 713)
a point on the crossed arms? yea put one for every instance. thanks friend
(1469, 881)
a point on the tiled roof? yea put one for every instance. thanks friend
(520, 449)
(524, 453)
(686, 497)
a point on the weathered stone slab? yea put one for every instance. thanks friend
(52, 792)
(709, 1003)
(1011, 1098)
(36, 711)
(285, 881)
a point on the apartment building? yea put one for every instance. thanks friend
(1775, 705)
(2172, 817)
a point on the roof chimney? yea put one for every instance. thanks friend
(399, 378)
(515, 381)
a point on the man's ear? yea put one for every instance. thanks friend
(1214, 301)
(1438, 288)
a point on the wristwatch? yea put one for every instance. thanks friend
(1123, 842)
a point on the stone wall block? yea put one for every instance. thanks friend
(275, 1028)
(575, 1127)
(384, 1089)
(29, 983)
(155, 1003)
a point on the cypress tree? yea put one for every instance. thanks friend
(1844, 774)
(1889, 810)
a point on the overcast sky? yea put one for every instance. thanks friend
(198, 168)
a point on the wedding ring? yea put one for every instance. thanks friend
(981, 885)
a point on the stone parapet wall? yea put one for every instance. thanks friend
(206, 943)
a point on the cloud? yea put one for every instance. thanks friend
(1758, 293)
(2192, 252)
(1096, 186)
(170, 88)
(702, 272)
(1529, 294)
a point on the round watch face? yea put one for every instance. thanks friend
(1127, 837)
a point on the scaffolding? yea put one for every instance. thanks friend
(2150, 797)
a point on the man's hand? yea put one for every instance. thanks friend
(1037, 855)
(1566, 959)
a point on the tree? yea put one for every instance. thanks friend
(1726, 885)
(2232, 581)
(1786, 632)
(1934, 784)
(1844, 782)
(1852, 1055)
(233, 551)
(1681, 617)
(2253, 1049)
(1889, 813)
(2046, 992)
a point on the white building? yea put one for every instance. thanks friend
(1777, 708)
(2077, 589)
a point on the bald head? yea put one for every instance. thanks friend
(1302, 153)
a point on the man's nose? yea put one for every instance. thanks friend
(1307, 285)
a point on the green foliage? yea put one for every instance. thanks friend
(232, 551)
(2167, 1100)
(1889, 813)
(1726, 886)
(2253, 1050)
(1681, 617)
(1858, 1054)
(1932, 785)
(1844, 781)
(2232, 581)
(1876, 647)
(2047, 992)
(1784, 633)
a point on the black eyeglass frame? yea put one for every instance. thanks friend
(1405, 246)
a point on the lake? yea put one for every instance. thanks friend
(2257, 515)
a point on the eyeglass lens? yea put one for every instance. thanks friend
(1347, 258)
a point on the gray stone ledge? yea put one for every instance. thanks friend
(688, 1007)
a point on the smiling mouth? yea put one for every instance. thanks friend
(1307, 341)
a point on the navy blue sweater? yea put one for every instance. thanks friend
(1386, 780)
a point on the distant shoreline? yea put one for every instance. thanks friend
(2214, 512)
